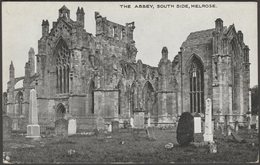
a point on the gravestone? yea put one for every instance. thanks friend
(33, 129)
(185, 129)
(138, 120)
(236, 126)
(61, 127)
(197, 123)
(149, 122)
(7, 127)
(132, 122)
(100, 123)
(109, 127)
(72, 126)
(115, 126)
(150, 133)
(208, 134)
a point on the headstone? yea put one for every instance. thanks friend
(115, 126)
(149, 122)
(236, 126)
(7, 127)
(109, 127)
(212, 147)
(132, 122)
(33, 129)
(150, 133)
(208, 135)
(185, 129)
(197, 123)
(100, 123)
(139, 120)
(250, 121)
(72, 126)
(61, 127)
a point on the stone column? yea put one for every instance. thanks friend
(230, 111)
(33, 129)
(249, 102)
(208, 134)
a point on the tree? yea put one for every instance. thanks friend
(255, 100)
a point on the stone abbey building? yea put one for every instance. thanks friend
(97, 76)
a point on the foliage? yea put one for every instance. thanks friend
(185, 129)
(255, 100)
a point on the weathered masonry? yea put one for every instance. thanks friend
(90, 76)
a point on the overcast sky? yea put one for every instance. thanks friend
(155, 27)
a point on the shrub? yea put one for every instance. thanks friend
(185, 129)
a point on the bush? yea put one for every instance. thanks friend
(185, 129)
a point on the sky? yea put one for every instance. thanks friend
(155, 27)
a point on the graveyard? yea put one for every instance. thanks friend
(192, 139)
(124, 146)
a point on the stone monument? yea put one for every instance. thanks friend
(132, 122)
(197, 123)
(7, 127)
(208, 134)
(33, 129)
(72, 126)
(139, 120)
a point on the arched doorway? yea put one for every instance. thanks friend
(60, 111)
(148, 98)
(196, 76)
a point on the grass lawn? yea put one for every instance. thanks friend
(94, 149)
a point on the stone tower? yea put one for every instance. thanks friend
(80, 16)
(31, 57)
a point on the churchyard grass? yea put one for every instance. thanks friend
(123, 147)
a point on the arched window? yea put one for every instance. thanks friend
(62, 59)
(148, 97)
(91, 96)
(120, 97)
(60, 111)
(19, 101)
(133, 98)
(196, 86)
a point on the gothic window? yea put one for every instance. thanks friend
(196, 87)
(60, 111)
(91, 96)
(120, 97)
(62, 59)
(148, 98)
(133, 98)
(19, 101)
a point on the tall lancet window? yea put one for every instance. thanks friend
(196, 86)
(62, 57)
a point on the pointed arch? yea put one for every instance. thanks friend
(148, 97)
(133, 97)
(60, 111)
(120, 97)
(193, 57)
(91, 96)
(61, 60)
(196, 82)
(19, 101)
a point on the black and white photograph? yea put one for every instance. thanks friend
(130, 82)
